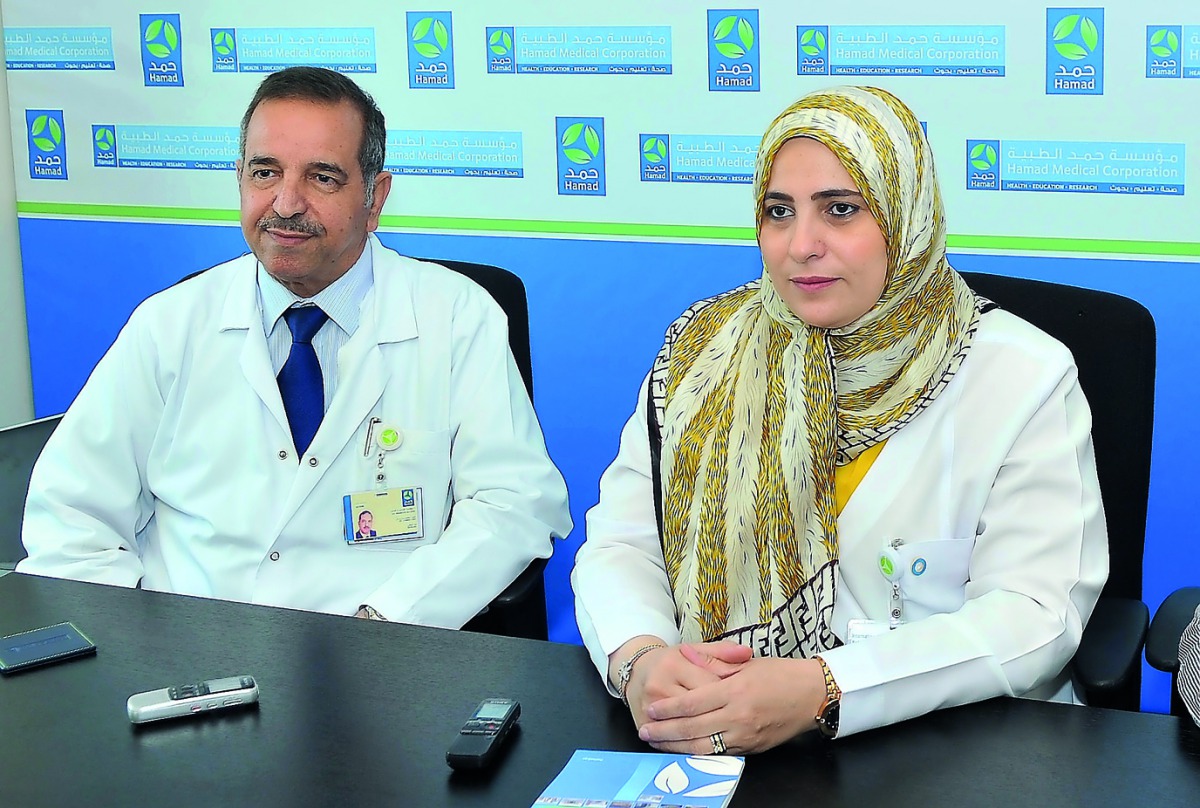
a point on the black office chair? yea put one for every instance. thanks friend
(520, 610)
(1113, 341)
(20, 446)
(1162, 643)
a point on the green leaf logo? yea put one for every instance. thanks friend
(746, 33)
(500, 42)
(572, 133)
(170, 39)
(1069, 50)
(570, 142)
(1065, 27)
(812, 42)
(223, 43)
(724, 27)
(1088, 33)
(654, 150)
(104, 139)
(441, 37)
(44, 125)
(1161, 36)
(886, 566)
(745, 37)
(983, 156)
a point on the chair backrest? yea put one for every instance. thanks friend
(509, 292)
(20, 446)
(519, 611)
(1113, 341)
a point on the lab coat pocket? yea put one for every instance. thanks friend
(935, 575)
(421, 461)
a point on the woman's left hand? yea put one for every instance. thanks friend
(765, 702)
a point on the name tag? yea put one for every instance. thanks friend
(393, 514)
(860, 628)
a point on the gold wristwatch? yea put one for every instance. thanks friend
(829, 714)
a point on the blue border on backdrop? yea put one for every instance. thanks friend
(597, 313)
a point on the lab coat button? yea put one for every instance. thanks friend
(275, 555)
(283, 454)
(312, 461)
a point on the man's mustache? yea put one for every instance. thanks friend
(292, 225)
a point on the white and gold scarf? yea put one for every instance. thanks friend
(757, 409)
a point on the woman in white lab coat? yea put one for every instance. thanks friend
(852, 491)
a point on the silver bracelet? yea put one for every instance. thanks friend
(625, 672)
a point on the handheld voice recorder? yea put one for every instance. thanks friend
(480, 739)
(192, 699)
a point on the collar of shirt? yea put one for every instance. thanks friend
(342, 300)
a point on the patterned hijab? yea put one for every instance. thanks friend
(758, 408)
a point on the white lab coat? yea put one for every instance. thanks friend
(993, 486)
(175, 466)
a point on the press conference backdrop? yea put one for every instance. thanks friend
(604, 153)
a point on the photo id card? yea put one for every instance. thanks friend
(379, 516)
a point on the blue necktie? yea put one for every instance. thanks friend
(300, 382)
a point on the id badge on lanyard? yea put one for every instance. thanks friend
(892, 567)
(383, 514)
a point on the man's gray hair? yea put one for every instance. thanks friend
(328, 87)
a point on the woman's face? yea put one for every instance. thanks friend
(824, 252)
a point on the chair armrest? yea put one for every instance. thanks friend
(1111, 647)
(518, 611)
(1172, 617)
(519, 589)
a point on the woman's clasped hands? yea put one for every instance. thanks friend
(715, 697)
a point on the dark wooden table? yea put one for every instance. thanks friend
(359, 713)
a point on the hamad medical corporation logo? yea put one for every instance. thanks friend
(983, 165)
(104, 145)
(224, 50)
(1164, 58)
(733, 50)
(430, 50)
(500, 49)
(656, 157)
(47, 140)
(812, 50)
(162, 50)
(580, 156)
(1075, 51)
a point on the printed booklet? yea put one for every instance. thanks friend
(593, 779)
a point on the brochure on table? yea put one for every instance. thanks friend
(597, 779)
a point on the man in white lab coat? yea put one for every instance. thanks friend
(221, 450)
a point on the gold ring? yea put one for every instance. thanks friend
(718, 743)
